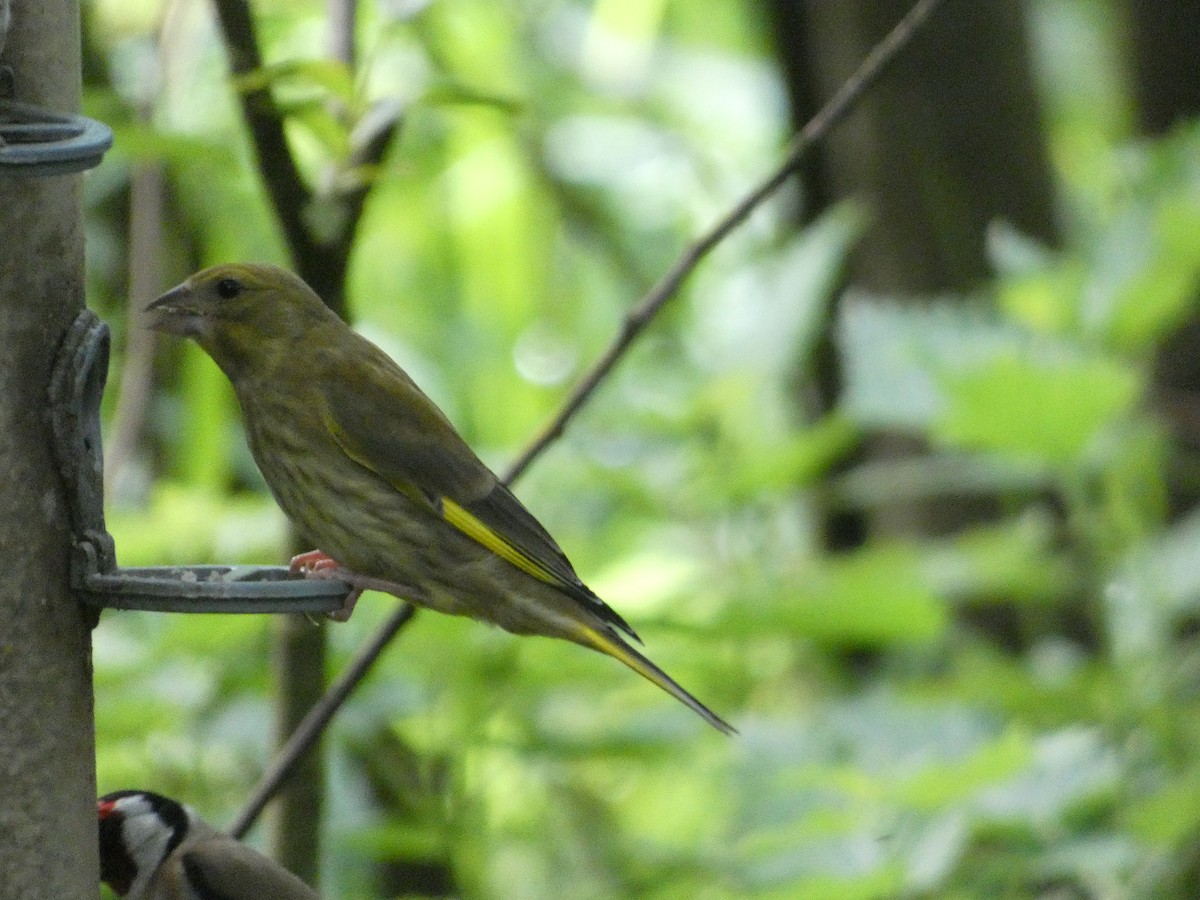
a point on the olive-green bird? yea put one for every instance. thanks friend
(370, 470)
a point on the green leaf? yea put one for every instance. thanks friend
(1164, 570)
(314, 118)
(1014, 560)
(331, 76)
(1050, 409)
(1169, 814)
(1067, 767)
(1045, 300)
(947, 783)
(797, 463)
(1157, 296)
(876, 596)
(895, 354)
(448, 92)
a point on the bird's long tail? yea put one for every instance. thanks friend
(612, 645)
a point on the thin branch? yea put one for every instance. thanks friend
(635, 323)
(276, 165)
(310, 729)
(322, 263)
(146, 187)
(147, 192)
(815, 129)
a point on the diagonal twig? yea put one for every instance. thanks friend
(635, 323)
(640, 316)
(310, 729)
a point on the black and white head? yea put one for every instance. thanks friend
(154, 848)
(138, 831)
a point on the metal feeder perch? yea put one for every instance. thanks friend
(37, 142)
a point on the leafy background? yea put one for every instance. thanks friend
(553, 159)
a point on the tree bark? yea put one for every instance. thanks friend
(947, 143)
(1166, 88)
(1166, 66)
(298, 651)
(950, 141)
(48, 844)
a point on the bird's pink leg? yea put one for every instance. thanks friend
(318, 564)
(312, 561)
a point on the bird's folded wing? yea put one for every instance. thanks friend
(389, 426)
(226, 870)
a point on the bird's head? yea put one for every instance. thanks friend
(138, 830)
(240, 312)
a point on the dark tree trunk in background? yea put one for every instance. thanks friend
(1164, 50)
(298, 652)
(948, 142)
(1164, 44)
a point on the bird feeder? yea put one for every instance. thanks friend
(35, 142)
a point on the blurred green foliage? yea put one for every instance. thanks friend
(554, 158)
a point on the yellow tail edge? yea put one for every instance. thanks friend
(611, 645)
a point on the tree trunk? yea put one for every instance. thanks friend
(1166, 65)
(298, 667)
(949, 141)
(1166, 88)
(48, 844)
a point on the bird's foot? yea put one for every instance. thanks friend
(346, 610)
(317, 564)
(311, 562)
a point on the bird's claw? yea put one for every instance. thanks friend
(320, 565)
(347, 608)
(312, 562)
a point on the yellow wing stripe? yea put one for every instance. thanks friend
(618, 651)
(477, 531)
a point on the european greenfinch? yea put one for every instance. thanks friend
(371, 471)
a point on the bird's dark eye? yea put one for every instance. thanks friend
(228, 288)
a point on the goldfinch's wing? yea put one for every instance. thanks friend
(384, 422)
(223, 868)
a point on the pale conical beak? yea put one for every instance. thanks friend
(175, 312)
